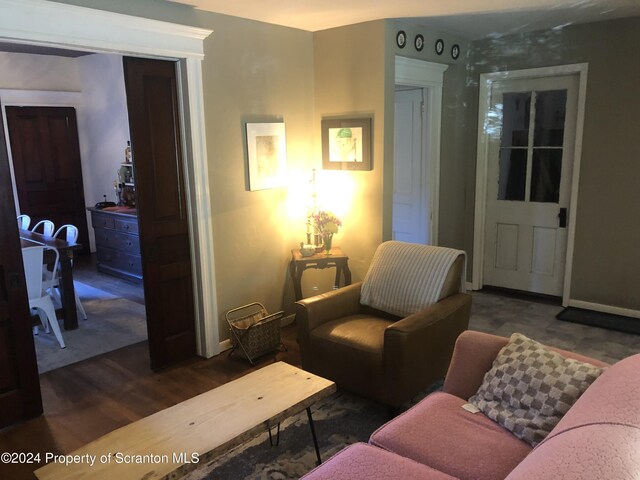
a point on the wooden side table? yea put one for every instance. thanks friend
(319, 261)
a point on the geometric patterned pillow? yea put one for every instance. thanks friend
(529, 388)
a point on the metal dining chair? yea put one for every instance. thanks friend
(39, 299)
(24, 221)
(68, 233)
(47, 227)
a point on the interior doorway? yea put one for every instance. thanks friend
(92, 32)
(64, 148)
(425, 79)
(411, 208)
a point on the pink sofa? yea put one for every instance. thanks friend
(598, 438)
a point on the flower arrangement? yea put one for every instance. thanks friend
(325, 222)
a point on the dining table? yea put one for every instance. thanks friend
(67, 293)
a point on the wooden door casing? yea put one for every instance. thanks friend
(20, 396)
(47, 166)
(152, 102)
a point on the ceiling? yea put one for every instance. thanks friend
(471, 19)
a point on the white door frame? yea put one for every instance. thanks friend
(486, 82)
(52, 24)
(429, 76)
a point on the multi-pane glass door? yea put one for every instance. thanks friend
(530, 157)
(531, 146)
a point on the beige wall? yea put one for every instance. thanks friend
(606, 266)
(259, 73)
(349, 82)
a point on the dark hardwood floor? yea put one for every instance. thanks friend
(88, 399)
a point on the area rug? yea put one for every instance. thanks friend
(111, 323)
(340, 420)
(600, 319)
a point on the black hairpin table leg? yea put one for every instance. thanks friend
(277, 436)
(313, 434)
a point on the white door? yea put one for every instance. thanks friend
(530, 159)
(410, 200)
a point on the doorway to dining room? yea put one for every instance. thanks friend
(65, 147)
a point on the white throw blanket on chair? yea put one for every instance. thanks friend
(406, 277)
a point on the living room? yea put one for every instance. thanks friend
(254, 71)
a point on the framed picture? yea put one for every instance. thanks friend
(346, 144)
(267, 155)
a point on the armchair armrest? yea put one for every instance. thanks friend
(314, 311)
(420, 346)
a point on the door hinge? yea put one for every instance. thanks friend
(422, 108)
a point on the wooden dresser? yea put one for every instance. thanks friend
(117, 243)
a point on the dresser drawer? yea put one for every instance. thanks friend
(120, 261)
(117, 241)
(101, 220)
(127, 226)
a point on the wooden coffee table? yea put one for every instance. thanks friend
(176, 440)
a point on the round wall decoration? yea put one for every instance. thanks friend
(401, 39)
(455, 51)
(419, 42)
(439, 46)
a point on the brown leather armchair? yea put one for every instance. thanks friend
(383, 356)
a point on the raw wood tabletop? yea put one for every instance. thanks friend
(173, 441)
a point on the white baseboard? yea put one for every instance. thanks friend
(287, 320)
(468, 286)
(598, 307)
(225, 345)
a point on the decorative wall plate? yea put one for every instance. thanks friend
(419, 42)
(401, 38)
(455, 51)
(439, 46)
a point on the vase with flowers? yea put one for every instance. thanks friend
(326, 225)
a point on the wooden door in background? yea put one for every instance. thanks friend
(46, 163)
(20, 397)
(162, 209)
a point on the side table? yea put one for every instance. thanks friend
(319, 261)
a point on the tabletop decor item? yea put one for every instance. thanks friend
(326, 224)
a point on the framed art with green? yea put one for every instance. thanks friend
(346, 143)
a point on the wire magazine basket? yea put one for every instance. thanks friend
(254, 330)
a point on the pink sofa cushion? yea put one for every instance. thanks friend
(364, 462)
(613, 398)
(592, 452)
(438, 432)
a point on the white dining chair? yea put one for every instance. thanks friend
(39, 299)
(47, 227)
(24, 221)
(68, 233)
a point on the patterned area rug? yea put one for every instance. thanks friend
(340, 420)
(111, 323)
